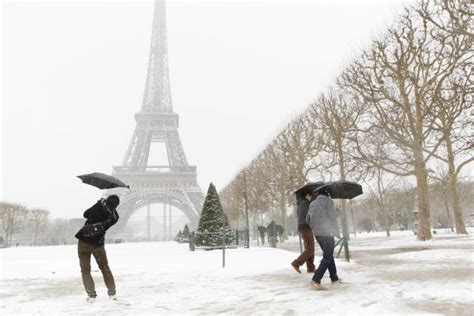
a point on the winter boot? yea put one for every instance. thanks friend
(296, 265)
(111, 294)
(91, 295)
(337, 281)
(317, 285)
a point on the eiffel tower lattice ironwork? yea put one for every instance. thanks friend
(176, 184)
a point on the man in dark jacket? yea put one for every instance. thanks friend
(272, 233)
(100, 217)
(322, 218)
(305, 232)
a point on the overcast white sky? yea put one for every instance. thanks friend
(239, 71)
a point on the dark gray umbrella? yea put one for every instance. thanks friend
(307, 188)
(341, 189)
(102, 181)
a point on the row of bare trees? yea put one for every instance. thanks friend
(17, 218)
(400, 109)
(389, 206)
(21, 226)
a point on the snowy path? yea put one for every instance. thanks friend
(397, 275)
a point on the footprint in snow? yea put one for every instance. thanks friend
(369, 303)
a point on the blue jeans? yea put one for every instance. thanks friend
(327, 263)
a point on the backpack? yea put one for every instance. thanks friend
(91, 230)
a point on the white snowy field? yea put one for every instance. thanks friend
(395, 275)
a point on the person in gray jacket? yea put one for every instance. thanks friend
(322, 218)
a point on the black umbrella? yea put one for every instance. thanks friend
(102, 181)
(307, 188)
(342, 189)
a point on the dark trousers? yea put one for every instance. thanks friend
(308, 254)
(327, 263)
(85, 251)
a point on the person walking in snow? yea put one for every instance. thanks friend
(100, 217)
(322, 218)
(272, 233)
(307, 256)
(261, 232)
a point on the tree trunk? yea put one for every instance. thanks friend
(35, 237)
(458, 220)
(342, 173)
(10, 236)
(9, 233)
(384, 215)
(284, 215)
(382, 198)
(386, 224)
(448, 211)
(424, 225)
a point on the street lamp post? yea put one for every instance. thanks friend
(246, 209)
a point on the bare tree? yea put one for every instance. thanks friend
(12, 217)
(391, 112)
(397, 78)
(449, 16)
(258, 184)
(293, 156)
(280, 179)
(232, 202)
(301, 142)
(441, 193)
(403, 200)
(398, 200)
(381, 195)
(452, 98)
(61, 231)
(39, 219)
(336, 120)
(255, 187)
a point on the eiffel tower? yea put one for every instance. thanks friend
(174, 184)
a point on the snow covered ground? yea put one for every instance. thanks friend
(395, 275)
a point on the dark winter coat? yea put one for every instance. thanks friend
(301, 212)
(98, 213)
(322, 217)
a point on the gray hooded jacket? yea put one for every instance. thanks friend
(322, 217)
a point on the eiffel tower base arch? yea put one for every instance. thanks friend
(131, 202)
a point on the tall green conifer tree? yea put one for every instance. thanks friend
(213, 222)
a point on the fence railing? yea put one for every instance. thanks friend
(218, 240)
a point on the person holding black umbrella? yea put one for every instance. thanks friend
(303, 199)
(322, 218)
(307, 256)
(100, 217)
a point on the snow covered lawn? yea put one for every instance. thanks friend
(395, 275)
